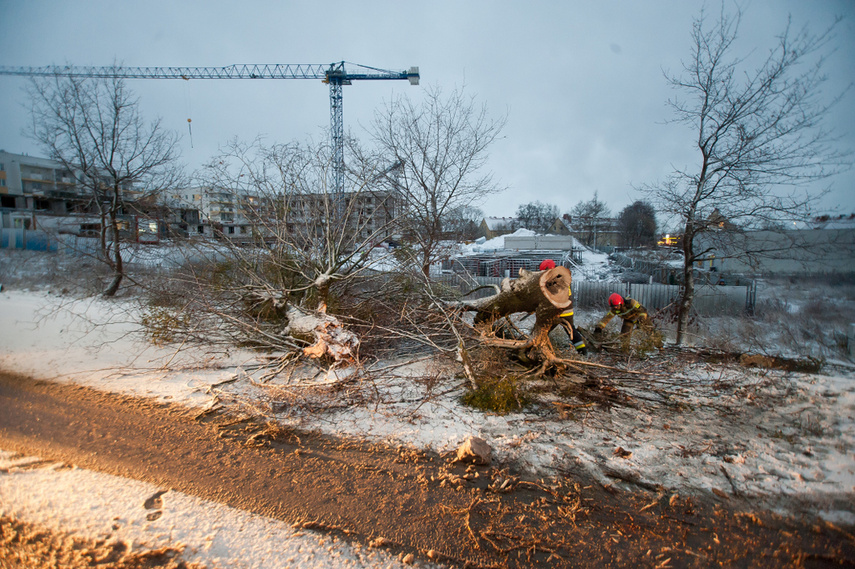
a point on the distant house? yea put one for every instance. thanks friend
(595, 232)
(492, 227)
(669, 240)
(561, 226)
(717, 221)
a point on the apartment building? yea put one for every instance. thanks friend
(244, 216)
(40, 194)
(36, 184)
(218, 211)
(366, 215)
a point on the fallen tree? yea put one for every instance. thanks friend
(327, 335)
(322, 334)
(543, 293)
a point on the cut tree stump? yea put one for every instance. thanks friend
(532, 291)
(325, 333)
(328, 336)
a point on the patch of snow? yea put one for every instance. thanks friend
(494, 244)
(111, 508)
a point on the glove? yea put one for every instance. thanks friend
(598, 331)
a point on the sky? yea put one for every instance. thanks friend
(581, 84)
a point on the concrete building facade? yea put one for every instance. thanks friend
(36, 184)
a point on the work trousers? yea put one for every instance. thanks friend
(576, 338)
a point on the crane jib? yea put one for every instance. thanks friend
(334, 74)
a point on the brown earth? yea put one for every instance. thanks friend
(24, 546)
(420, 503)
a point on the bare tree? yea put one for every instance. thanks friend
(589, 218)
(464, 222)
(758, 130)
(537, 216)
(637, 225)
(94, 128)
(441, 146)
(309, 236)
(594, 208)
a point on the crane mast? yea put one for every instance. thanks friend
(335, 74)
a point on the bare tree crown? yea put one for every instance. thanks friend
(441, 146)
(760, 134)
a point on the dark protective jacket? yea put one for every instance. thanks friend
(631, 311)
(568, 312)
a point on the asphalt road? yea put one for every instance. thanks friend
(417, 501)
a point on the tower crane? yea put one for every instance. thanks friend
(334, 74)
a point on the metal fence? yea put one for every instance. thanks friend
(668, 274)
(40, 240)
(709, 300)
(510, 264)
(33, 240)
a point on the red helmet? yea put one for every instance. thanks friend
(615, 299)
(547, 264)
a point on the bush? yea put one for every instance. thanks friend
(500, 395)
(163, 324)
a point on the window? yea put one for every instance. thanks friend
(90, 229)
(231, 229)
(3, 182)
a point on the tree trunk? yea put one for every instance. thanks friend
(117, 264)
(687, 296)
(102, 236)
(546, 293)
(686, 300)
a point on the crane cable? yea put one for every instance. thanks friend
(188, 107)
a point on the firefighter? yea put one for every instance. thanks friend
(631, 311)
(565, 319)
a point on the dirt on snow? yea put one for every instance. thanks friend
(397, 498)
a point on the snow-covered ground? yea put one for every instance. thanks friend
(90, 343)
(103, 507)
(768, 437)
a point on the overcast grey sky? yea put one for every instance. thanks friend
(581, 83)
